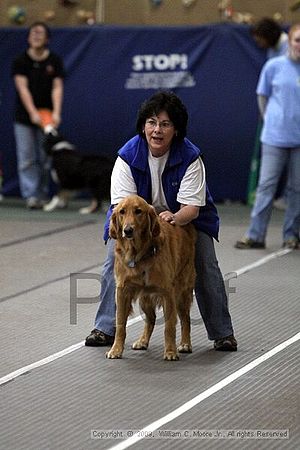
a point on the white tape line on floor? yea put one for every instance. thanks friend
(199, 398)
(262, 261)
(42, 362)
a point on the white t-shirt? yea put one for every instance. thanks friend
(191, 191)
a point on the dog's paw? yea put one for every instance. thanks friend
(113, 355)
(184, 348)
(49, 207)
(139, 345)
(55, 203)
(171, 356)
(86, 210)
(91, 209)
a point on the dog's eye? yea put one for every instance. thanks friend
(122, 211)
(138, 211)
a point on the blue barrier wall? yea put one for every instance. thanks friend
(111, 70)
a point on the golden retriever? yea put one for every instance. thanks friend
(154, 262)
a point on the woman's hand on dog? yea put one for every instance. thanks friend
(168, 217)
(185, 215)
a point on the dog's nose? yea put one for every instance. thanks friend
(128, 231)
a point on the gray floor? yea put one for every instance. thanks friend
(51, 402)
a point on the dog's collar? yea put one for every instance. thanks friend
(151, 252)
(63, 145)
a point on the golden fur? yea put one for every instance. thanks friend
(154, 262)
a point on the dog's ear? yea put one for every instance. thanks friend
(113, 226)
(154, 223)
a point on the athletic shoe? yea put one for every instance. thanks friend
(247, 243)
(98, 339)
(33, 203)
(226, 344)
(292, 243)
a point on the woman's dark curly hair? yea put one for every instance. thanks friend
(164, 101)
(39, 23)
(267, 29)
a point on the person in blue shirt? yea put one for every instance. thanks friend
(161, 165)
(278, 94)
(269, 36)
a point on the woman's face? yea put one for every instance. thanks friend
(38, 37)
(294, 44)
(159, 132)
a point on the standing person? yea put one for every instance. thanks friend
(38, 75)
(269, 35)
(278, 93)
(161, 165)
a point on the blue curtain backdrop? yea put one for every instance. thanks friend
(111, 70)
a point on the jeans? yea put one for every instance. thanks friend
(33, 163)
(209, 290)
(273, 162)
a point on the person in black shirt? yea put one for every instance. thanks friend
(38, 75)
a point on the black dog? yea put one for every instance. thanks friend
(74, 171)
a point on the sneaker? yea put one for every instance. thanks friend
(247, 243)
(98, 339)
(292, 243)
(33, 203)
(226, 344)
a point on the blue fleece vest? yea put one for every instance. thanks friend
(182, 155)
